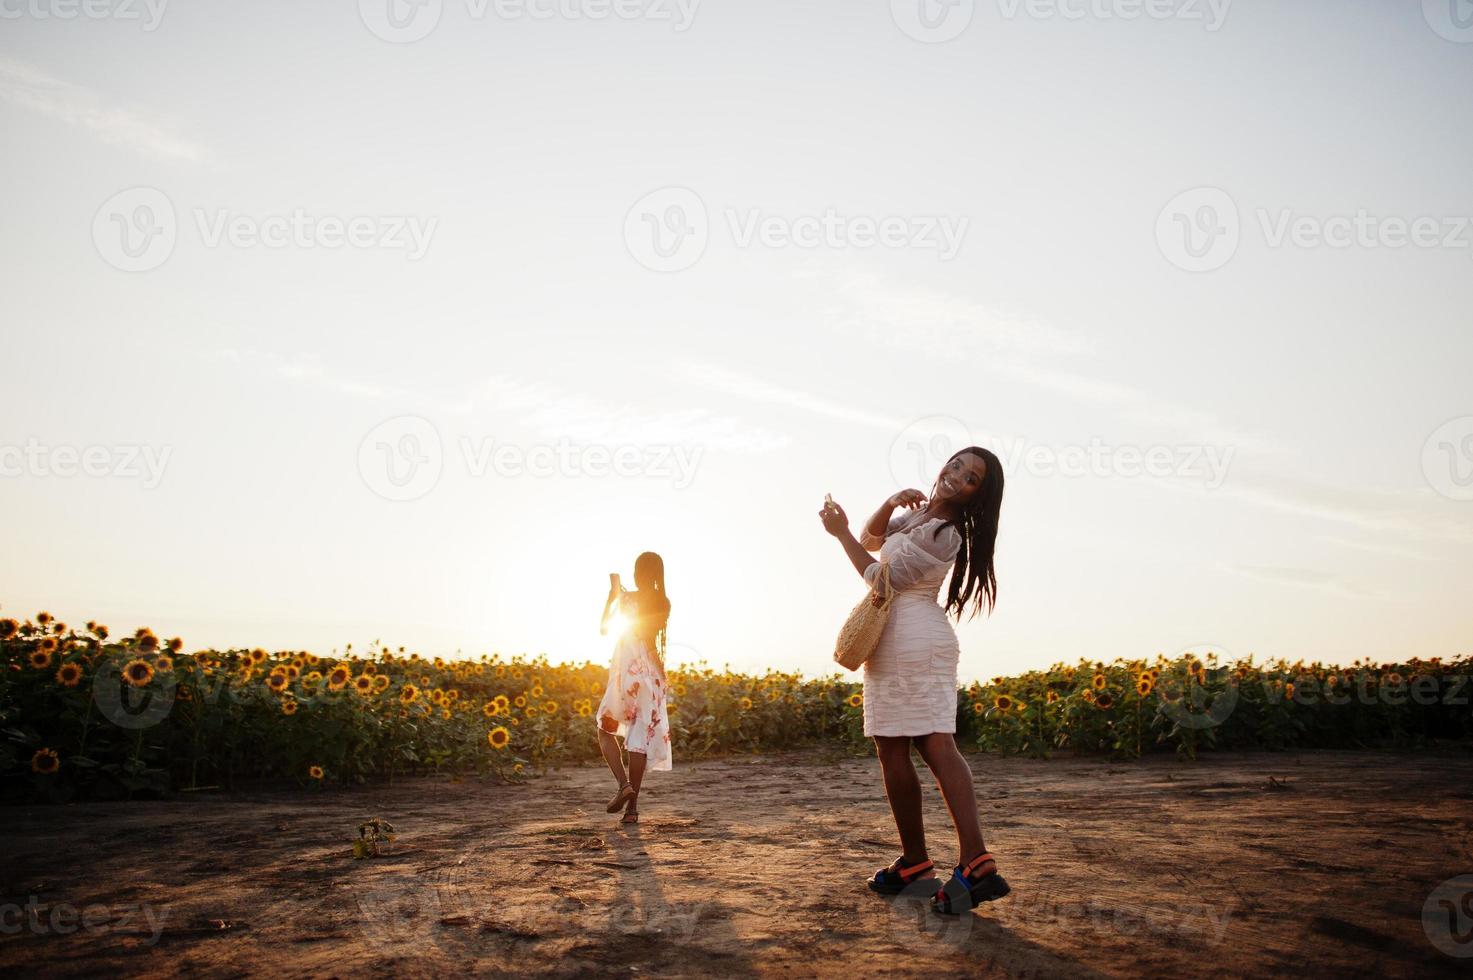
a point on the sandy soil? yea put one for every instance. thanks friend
(755, 866)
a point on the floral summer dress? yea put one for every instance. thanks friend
(635, 697)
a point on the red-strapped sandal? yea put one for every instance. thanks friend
(969, 887)
(900, 876)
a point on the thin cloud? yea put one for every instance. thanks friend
(38, 92)
(1307, 578)
(711, 376)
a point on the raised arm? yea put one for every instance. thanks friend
(872, 535)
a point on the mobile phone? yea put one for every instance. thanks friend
(614, 581)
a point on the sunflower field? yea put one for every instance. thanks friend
(85, 715)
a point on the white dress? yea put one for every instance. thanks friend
(635, 699)
(910, 679)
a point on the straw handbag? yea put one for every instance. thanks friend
(861, 632)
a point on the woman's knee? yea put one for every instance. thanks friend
(892, 749)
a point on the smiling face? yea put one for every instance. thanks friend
(961, 479)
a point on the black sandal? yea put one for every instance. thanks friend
(900, 876)
(971, 886)
(625, 794)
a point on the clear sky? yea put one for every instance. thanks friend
(753, 252)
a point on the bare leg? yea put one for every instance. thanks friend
(609, 746)
(636, 770)
(903, 787)
(954, 777)
(636, 776)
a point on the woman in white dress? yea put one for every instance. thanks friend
(633, 704)
(910, 682)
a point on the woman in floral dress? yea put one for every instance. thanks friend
(633, 704)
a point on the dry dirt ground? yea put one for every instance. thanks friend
(1237, 865)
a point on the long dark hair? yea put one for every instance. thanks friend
(649, 568)
(973, 577)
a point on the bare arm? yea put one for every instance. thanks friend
(872, 537)
(836, 522)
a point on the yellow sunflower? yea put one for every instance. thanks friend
(381, 683)
(337, 678)
(8, 628)
(69, 675)
(1002, 702)
(1098, 682)
(409, 694)
(490, 710)
(549, 707)
(315, 772)
(520, 701)
(746, 704)
(855, 700)
(40, 659)
(1104, 700)
(277, 683)
(138, 673)
(363, 684)
(501, 702)
(45, 762)
(289, 705)
(498, 737)
(1143, 686)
